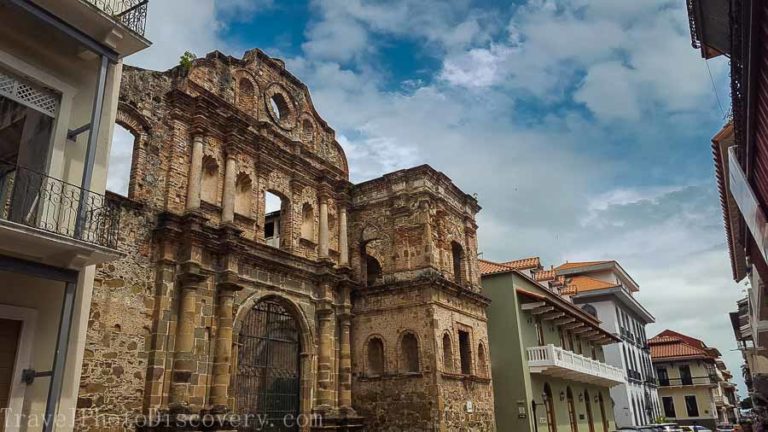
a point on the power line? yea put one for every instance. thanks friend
(714, 87)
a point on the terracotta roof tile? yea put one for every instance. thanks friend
(544, 275)
(524, 263)
(580, 283)
(571, 265)
(490, 267)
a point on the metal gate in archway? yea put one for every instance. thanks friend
(267, 385)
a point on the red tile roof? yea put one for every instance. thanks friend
(671, 345)
(580, 283)
(490, 267)
(571, 265)
(524, 263)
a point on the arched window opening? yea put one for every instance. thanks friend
(465, 352)
(590, 310)
(209, 187)
(373, 270)
(243, 186)
(246, 96)
(308, 222)
(409, 353)
(549, 404)
(279, 106)
(375, 356)
(458, 262)
(120, 160)
(274, 207)
(482, 365)
(447, 353)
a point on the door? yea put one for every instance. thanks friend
(549, 405)
(10, 330)
(268, 371)
(602, 412)
(590, 418)
(572, 411)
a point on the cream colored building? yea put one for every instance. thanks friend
(693, 381)
(60, 68)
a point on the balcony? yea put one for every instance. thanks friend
(557, 362)
(721, 401)
(708, 381)
(130, 13)
(45, 218)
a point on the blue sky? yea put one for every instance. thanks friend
(583, 126)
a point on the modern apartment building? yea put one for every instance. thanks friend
(60, 68)
(548, 357)
(605, 290)
(694, 385)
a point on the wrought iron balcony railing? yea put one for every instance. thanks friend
(131, 13)
(39, 201)
(688, 381)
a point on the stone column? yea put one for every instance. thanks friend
(228, 204)
(222, 358)
(345, 362)
(323, 241)
(343, 241)
(195, 173)
(325, 349)
(184, 362)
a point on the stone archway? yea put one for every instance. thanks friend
(272, 373)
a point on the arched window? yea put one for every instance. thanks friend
(307, 222)
(572, 410)
(375, 356)
(246, 96)
(243, 186)
(279, 106)
(447, 353)
(590, 416)
(209, 187)
(482, 365)
(588, 308)
(409, 353)
(458, 262)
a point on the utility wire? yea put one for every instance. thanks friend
(714, 87)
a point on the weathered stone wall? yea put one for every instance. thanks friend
(115, 360)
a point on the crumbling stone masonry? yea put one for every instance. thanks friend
(359, 304)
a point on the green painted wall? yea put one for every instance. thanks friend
(510, 332)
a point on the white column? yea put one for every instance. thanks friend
(228, 205)
(195, 174)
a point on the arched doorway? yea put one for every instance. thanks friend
(572, 411)
(590, 417)
(268, 368)
(602, 412)
(549, 405)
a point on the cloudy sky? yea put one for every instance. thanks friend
(583, 126)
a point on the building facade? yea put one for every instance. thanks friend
(735, 29)
(258, 283)
(548, 355)
(604, 289)
(693, 381)
(60, 68)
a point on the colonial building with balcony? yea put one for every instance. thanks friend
(605, 290)
(692, 381)
(60, 69)
(548, 357)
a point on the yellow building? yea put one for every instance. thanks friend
(689, 380)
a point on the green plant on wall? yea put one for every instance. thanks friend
(185, 61)
(661, 420)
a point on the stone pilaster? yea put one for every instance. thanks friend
(323, 238)
(228, 204)
(345, 362)
(184, 362)
(343, 239)
(195, 173)
(325, 400)
(226, 288)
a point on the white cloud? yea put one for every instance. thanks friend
(609, 91)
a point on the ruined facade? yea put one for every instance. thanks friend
(359, 304)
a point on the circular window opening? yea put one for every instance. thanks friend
(279, 106)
